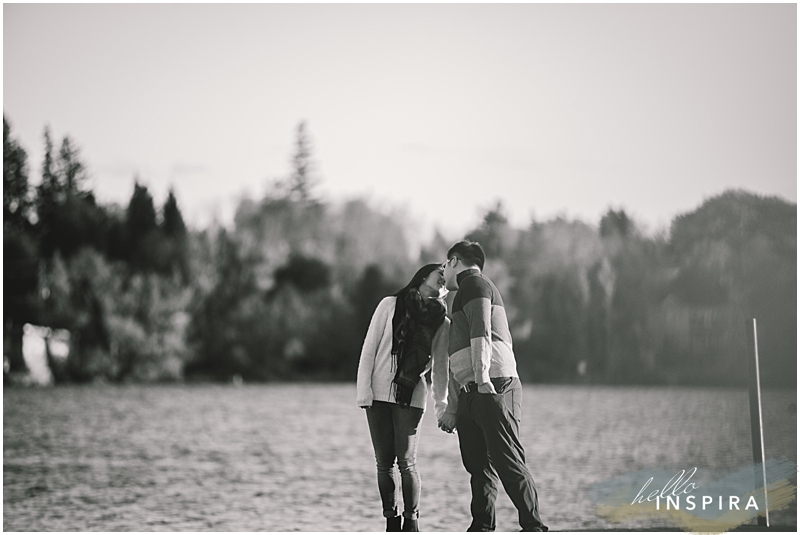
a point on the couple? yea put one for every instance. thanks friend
(476, 389)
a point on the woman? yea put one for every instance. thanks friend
(407, 337)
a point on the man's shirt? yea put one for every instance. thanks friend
(480, 341)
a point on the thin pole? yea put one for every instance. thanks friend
(756, 418)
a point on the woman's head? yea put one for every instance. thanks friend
(429, 280)
(433, 285)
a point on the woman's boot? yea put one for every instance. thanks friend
(393, 524)
(410, 524)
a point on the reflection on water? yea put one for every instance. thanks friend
(298, 457)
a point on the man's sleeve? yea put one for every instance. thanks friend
(478, 310)
(452, 394)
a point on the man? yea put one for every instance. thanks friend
(485, 394)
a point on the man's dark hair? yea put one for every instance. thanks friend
(470, 252)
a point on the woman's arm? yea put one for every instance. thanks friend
(369, 350)
(441, 365)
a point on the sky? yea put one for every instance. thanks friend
(435, 111)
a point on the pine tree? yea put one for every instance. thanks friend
(70, 169)
(173, 224)
(20, 255)
(68, 216)
(175, 239)
(141, 214)
(616, 223)
(494, 234)
(16, 191)
(49, 184)
(140, 226)
(47, 198)
(302, 180)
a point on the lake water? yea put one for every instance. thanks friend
(297, 457)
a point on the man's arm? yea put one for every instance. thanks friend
(479, 318)
(447, 421)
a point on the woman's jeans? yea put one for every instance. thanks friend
(395, 433)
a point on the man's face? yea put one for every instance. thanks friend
(450, 273)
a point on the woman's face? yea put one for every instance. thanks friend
(435, 281)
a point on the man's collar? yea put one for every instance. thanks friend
(466, 273)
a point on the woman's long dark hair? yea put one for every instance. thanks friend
(414, 325)
(400, 308)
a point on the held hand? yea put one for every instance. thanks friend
(487, 388)
(447, 422)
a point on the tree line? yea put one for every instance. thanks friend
(288, 291)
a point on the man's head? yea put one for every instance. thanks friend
(463, 255)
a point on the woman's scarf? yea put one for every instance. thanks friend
(414, 325)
